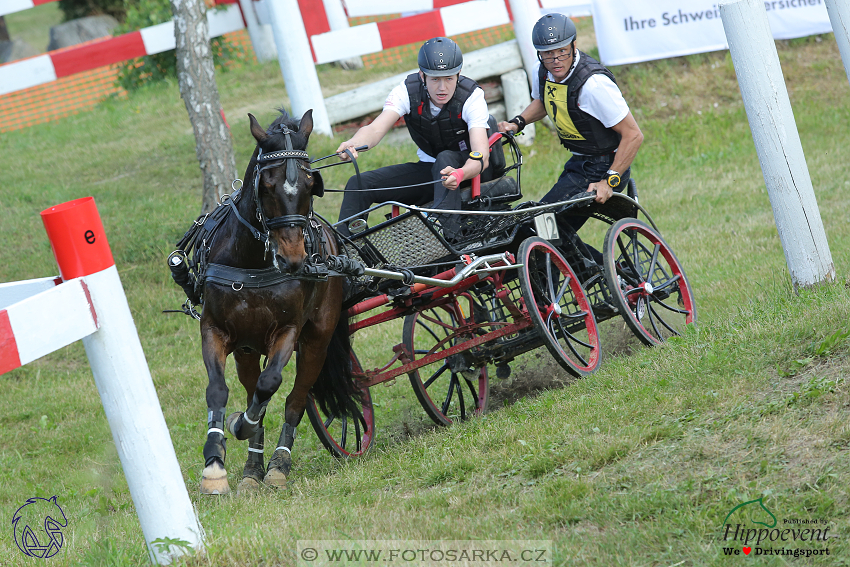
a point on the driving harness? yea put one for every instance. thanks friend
(189, 264)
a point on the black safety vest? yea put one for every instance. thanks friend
(579, 131)
(446, 131)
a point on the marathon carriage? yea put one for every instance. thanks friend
(499, 280)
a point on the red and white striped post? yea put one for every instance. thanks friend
(124, 382)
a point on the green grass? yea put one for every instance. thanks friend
(636, 465)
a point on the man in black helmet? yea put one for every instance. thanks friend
(447, 118)
(593, 120)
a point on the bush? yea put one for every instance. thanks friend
(73, 9)
(153, 68)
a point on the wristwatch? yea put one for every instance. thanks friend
(613, 179)
(479, 157)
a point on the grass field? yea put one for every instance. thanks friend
(638, 464)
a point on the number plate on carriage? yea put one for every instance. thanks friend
(546, 226)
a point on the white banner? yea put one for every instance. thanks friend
(628, 31)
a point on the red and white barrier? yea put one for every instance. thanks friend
(370, 38)
(381, 7)
(29, 330)
(12, 6)
(91, 305)
(46, 68)
(358, 8)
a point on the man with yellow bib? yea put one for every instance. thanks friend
(593, 120)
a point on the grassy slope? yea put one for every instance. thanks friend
(638, 464)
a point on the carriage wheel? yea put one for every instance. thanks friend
(448, 389)
(558, 307)
(647, 282)
(344, 437)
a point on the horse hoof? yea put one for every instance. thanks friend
(275, 478)
(230, 423)
(214, 480)
(247, 485)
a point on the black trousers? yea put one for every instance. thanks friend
(579, 172)
(375, 182)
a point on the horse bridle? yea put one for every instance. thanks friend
(269, 161)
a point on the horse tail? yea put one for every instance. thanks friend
(335, 390)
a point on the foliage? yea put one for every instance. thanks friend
(73, 9)
(161, 66)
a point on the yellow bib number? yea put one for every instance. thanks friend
(555, 100)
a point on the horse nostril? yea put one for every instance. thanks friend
(282, 264)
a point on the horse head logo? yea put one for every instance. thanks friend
(754, 510)
(38, 527)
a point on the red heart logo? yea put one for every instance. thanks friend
(747, 550)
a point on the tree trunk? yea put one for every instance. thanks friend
(4, 32)
(196, 77)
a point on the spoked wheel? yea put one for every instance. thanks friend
(647, 282)
(450, 388)
(344, 437)
(558, 307)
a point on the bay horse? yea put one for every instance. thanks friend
(259, 302)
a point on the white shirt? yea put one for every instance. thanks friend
(600, 96)
(474, 111)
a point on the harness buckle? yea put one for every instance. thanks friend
(234, 288)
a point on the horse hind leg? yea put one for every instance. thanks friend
(281, 462)
(252, 474)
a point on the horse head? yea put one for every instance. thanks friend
(284, 186)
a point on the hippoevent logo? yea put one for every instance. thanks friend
(793, 537)
(37, 526)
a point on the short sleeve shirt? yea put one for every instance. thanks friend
(474, 111)
(600, 96)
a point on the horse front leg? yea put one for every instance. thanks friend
(311, 357)
(248, 371)
(214, 476)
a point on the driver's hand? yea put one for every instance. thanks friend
(451, 182)
(603, 191)
(507, 127)
(346, 146)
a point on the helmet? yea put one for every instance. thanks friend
(440, 57)
(553, 31)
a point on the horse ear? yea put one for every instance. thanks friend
(257, 130)
(306, 126)
(318, 188)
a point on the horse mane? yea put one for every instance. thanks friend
(277, 141)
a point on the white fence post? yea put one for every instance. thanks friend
(839, 17)
(262, 38)
(525, 13)
(124, 382)
(339, 21)
(777, 142)
(296, 63)
(517, 98)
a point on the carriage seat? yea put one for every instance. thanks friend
(499, 190)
